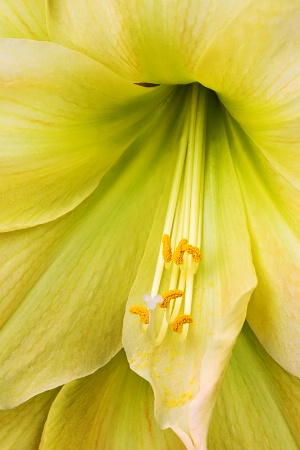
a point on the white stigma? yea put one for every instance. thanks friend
(152, 301)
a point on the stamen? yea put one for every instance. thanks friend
(195, 252)
(142, 312)
(184, 217)
(180, 320)
(179, 252)
(167, 248)
(170, 295)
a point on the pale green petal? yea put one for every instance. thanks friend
(186, 375)
(64, 284)
(23, 19)
(62, 126)
(259, 403)
(111, 409)
(255, 69)
(144, 40)
(21, 428)
(273, 212)
(248, 52)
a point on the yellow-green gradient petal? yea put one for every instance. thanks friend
(23, 19)
(21, 428)
(254, 66)
(259, 402)
(157, 41)
(64, 284)
(246, 51)
(185, 376)
(273, 213)
(111, 409)
(64, 120)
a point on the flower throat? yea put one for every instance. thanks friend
(181, 237)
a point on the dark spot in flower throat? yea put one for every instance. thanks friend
(148, 85)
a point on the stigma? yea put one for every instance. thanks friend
(170, 303)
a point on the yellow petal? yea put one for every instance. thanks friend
(157, 41)
(62, 126)
(273, 212)
(21, 428)
(185, 376)
(254, 66)
(259, 403)
(23, 19)
(64, 284)
(111, 409)
(248, 52)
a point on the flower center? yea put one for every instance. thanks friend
(182, 232)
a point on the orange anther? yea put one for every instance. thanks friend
(167, 248)
(170, 295)
(179, 252)
(180, 320)
(194, 251)
(142, 312)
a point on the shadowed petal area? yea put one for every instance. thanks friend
(65, 284)
(21, 428)
(23, 19)
(62, 126)
(185, 375)
(111, 409)
(273, 213)
(247, 52)
(259, 402)
(255, 69)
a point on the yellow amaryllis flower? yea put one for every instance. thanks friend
(110, 144)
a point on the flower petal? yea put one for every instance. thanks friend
(259, 403)
(23, 19)
(185, 376)
(247, 52)
(112, 409)
(157, 41)
(64, 284)
(254, 66)
(61, 127)
(273, 213)
(21, 428)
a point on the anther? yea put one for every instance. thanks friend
(170, 295)
(194, 251)
(179, 252)
(167, 248)
(180, 320)
(142, 312)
